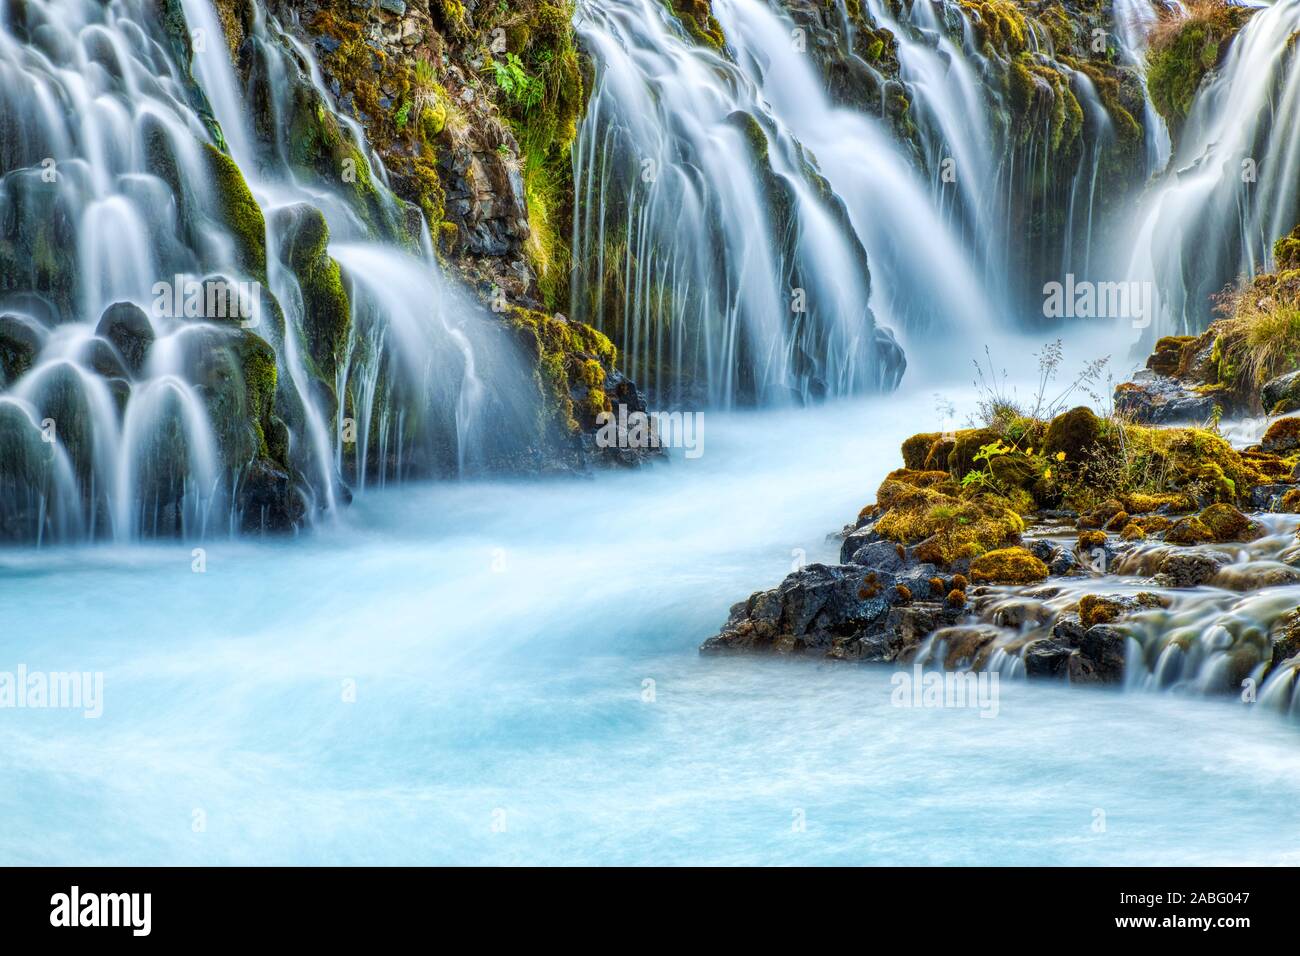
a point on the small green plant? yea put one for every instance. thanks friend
(403, 115)
(519, 86)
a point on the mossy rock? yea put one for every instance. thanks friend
(1088, 540)
(236, 209)
(1149, 525)
(1074, 432)
(903, 484)
(961, 457)
(916, 450)
(1180, 59)
(1008, 566)
(1014, 471)
(1226, 524)
(1101, 515)
(327, 309)
(562, 352)
(698, 19)
(1286, 251)
(1282, 436)
(1141, 503)
(1096, 609)
(946, 529)
(1284, 637)
(1168, 357)
(1189, 530)
(1133, 531)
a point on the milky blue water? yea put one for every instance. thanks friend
(497, 639)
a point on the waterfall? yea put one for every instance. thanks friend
(709, 244)
(715, 186)
(167, 263)
(1230, 190)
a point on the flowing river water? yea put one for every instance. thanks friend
(508, 673)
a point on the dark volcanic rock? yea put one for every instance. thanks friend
(845, 611)
(1100, 657)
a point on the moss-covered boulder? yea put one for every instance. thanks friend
(327, 311)
(945, 529)
(1169, 354)
(1282, 436)
(571, 362)
(235, 208)
(698, 19)
(961, 457)
(1226, 524)
(1007, 566)
(1074, 432)
(1189, 530)
(917, 450)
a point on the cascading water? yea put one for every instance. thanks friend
(898, 223)
(1233, 178)
(1026, 157)
(963, 211)
(1212, 640)
(707, 243)
(167, 369)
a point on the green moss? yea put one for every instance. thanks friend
(449, 15)
(1183, 52)
(698, 19)
(1088, 540)
(1286, 251)
(946, 528)
(564, 353)
(1226, 523)
(1037, 93)
(238, 211)
(1073, 433)
(257, 363)
(1190, 530)
(999, 25)
(1007, 566)
(231, 14)
(543, 52)
(916, 450)
(1095, 609)
(328, 314)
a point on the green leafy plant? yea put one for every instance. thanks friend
(522, 88)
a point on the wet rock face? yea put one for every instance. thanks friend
(19, 344)
(1155, 399)
(128, 329)
(1282, 394)
(839, 611)
(447, 150)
